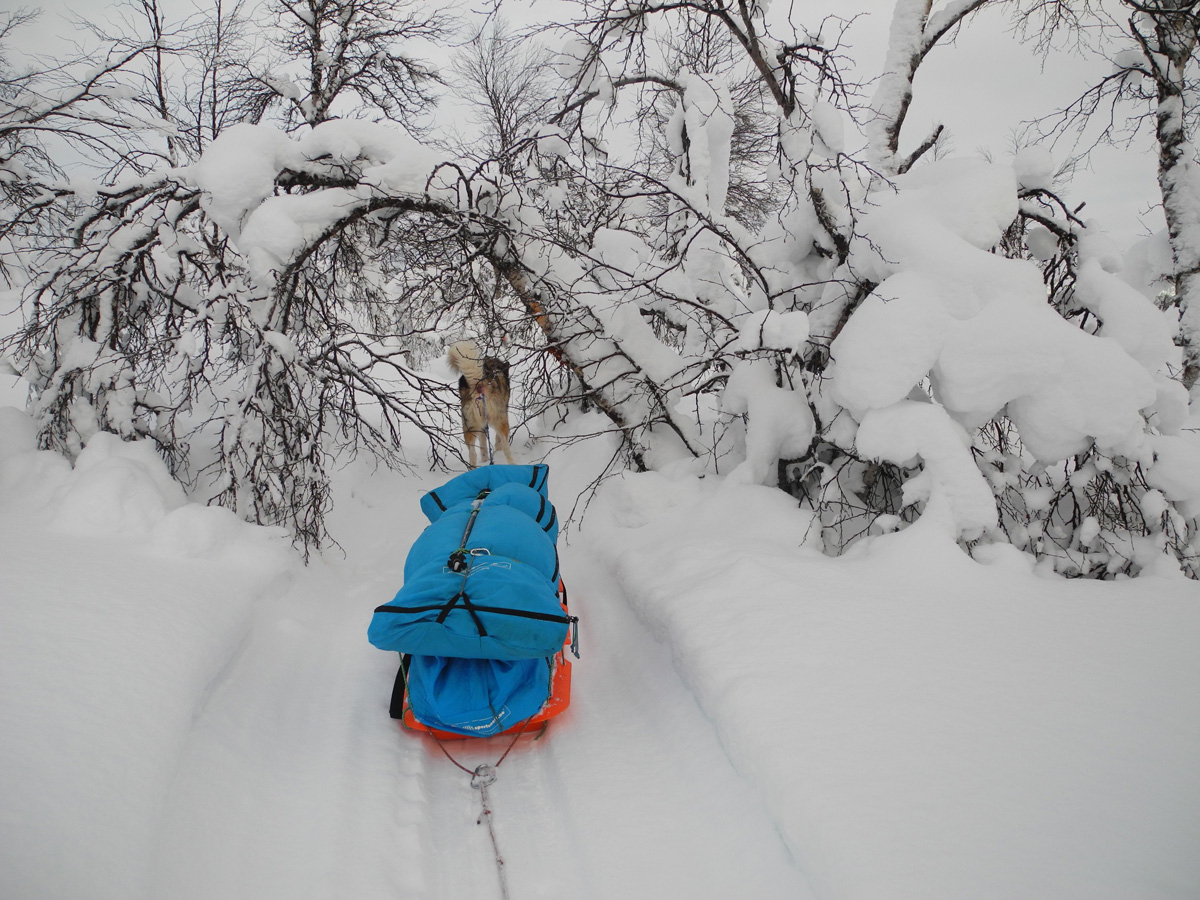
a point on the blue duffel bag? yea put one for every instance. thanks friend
(481, 582)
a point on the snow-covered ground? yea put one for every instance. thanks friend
(186, 712)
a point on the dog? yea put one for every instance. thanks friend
(483, 397)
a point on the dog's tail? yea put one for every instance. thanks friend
(466, 359)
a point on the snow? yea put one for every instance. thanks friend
(204, 719)
(829, 127)
(978, 326)
(1143, 330)
(237, 173)
(921, 725)
(950, 484)
(281, 226)
(771, 330)
(187, 712)
(780, 424)
(1034, 168)
(707, 118)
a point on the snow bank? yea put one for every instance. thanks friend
(921, 725)
(121, 603)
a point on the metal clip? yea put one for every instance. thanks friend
(483, 776)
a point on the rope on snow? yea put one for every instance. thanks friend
(482, 776)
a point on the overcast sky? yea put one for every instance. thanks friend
(983, 88)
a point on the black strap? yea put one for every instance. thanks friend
(396, 707)
(438, 500)
(444, 610)
(468, 606)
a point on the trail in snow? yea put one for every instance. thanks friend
(187, 716)
(295, 783)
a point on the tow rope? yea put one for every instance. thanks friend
(482, 776)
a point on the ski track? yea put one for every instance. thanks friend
(295, 783)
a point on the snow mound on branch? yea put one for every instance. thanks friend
(1148, 264)
(956, 495)
(238, 172)
(829, 127)
(978, 327)
(1176, 470)
(780, 421)
(705, 116)
(282, 226)
(1034, 168)
(620, 250)
(1143, 330)
(771, 330)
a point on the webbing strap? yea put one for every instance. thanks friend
(474, 607)
(470, 607)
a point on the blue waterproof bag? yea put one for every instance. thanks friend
(481, 582)
(476, 697)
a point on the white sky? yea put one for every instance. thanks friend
(982, 88)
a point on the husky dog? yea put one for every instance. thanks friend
(483, 396)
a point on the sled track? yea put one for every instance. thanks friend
(295, 783)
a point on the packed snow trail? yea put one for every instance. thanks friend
(295, 783)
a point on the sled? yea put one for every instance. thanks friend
(558, 700)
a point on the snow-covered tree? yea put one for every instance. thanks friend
(926, 352)
(723, 244)
(153, 313)
(353, 51)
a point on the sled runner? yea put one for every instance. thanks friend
(481, 622)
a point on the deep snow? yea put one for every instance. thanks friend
(186, 712)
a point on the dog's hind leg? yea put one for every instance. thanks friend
(471, 437)
(502, 440)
